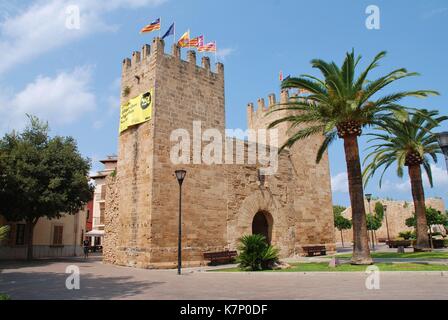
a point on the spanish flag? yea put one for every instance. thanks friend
(151, 27)
(184, 41)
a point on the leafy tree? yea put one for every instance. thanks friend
(41, 176)
(340, 104)
(407, 142)
(433, 217)
(340, 222)
(256, 254)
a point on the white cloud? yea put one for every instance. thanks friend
(41, 27)
(439, 177)
(61, 100)
(224, 53)
(339, 183)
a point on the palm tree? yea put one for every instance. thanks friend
(408, 142)
(340, 105)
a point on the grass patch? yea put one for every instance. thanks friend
(410, 255)
(4, 297)
(323, 267)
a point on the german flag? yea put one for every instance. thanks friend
(151, 27)
(197, 42)
(209, 47)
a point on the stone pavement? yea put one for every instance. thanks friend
(45, 279)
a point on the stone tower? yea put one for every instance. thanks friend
(310, 184)
(221, 202)
(148, 190)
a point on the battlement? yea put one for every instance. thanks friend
(150, 53)
(262, 109)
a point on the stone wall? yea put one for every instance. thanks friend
(219, 200)
(111, 221)
(397, 212)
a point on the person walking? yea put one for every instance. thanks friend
(86, 245)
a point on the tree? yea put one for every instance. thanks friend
(407, 142)
(41, 177)
(340, 105)
(373, 224)
(340, 222)
(433, 217)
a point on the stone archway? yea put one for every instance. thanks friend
(262, 224)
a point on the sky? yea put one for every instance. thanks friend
(71, 76)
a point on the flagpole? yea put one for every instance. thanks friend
(216, 52)
(174, 35)
(160, 27)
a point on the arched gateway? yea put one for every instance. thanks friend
(262, 224)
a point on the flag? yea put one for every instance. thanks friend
(151, 27)
(170, 32)
(209, 47)
(281, 76)
(184, 41)
(197, 42)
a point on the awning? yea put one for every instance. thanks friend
(95, 233)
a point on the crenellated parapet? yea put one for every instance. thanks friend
(258, 117)
(155, 53)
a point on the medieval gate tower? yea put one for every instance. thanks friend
(221, 202)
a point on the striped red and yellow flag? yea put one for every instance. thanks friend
(184, 41)
(151, 27)
(197, 42)
(209, 47)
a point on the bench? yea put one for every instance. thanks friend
(312, 250)
(399, 243)
(221, 257)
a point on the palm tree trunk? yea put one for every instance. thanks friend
(361, 251)
(418, 195)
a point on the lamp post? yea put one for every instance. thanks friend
(180, 175)
(387, 224)
(443, 143)
(369, 197)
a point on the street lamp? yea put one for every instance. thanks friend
(387, 224)
(443, 143)
(180, 175)
(369, 197)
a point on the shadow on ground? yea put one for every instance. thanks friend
(52, 286)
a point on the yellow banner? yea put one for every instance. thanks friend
(137, 110)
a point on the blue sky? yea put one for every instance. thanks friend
(71, 77)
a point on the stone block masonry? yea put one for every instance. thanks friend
(220, 201)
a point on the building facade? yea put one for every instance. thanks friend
(221, 202)
(51, 238)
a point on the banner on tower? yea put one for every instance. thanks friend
(137, 110)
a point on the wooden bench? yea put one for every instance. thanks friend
(399, 243)
(312, 250)
(221, 257)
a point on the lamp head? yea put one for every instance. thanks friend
(180, 176)
(368, 196)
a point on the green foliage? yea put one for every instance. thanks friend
(379, 210)
(433, 217)
(341, 223)
(342, 95)
(256, 254)
(373, 222)
(42, 176)
(4, 297)
(337, 209)
(399, 137)
(407, 235)
(4, 230)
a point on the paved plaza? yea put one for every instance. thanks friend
(45, 279)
